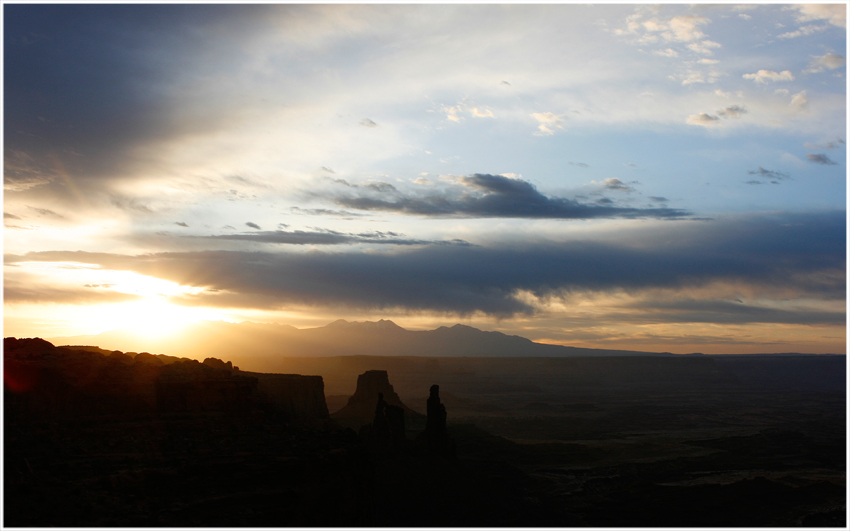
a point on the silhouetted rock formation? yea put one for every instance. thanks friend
(189, 386)
(44, 380)
(298, 397)
(216, 363)
(387, 432)
(370, 385)
(436, 435)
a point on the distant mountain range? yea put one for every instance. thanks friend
(340, 338)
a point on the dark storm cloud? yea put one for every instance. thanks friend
(97, 83)
(768, 174)
(820, 158)
(802, 253)
(330, 237)
(488, 196)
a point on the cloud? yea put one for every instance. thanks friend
(453, 113)
(811, 29)
(781, 255)
(365, 122)
(753, 182)
(579, 164)
(829, 61)
(669, 52)
(768, 174)
(323, 212)
(7, 215)
(763, 76)
(820, 158)
(734, 111)
(46, 212)
(486, 113)
(180, 223)
(703, 47)
(615, 184)
(252, 225)
(799, 102)
(658, 199)
(827, 145)
(703, 119)
(549, 121)
(330, 237)
(835, 14)
(17, 292)
(683, 28)
(491, 196)
(130, 204)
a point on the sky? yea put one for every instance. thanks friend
(664, 178)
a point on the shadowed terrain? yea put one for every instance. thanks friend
(126, 439)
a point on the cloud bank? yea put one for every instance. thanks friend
(487, 196)
(790, 255)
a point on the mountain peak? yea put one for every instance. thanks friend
(382, 325)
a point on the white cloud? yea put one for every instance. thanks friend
(811, 29)
(549, 121)
(763, 76)
(705, 61)
(745, 16)
(799, 102)
(683, 28)
(829, 61)
(452, 113)
(722, 94)
(781, 92)
(487, 113)
(836, 14)
(694, 76)
(669, 52)
(703, 47)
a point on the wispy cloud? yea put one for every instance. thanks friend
(765, 76)
(829, 61)
(548, 122)
(820, 158)
(330, 237)
(799, 102)
(769, 174)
